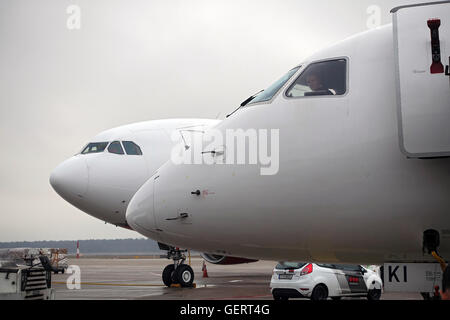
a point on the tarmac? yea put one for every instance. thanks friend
(138, 278)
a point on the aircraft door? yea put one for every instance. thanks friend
(422, 49)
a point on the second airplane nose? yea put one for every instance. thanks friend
(140, 212)
(70, 178)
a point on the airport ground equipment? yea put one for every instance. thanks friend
(58, 259)
(22, 277)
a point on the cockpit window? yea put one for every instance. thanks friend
(132, 148)
(270, 92)
(115, 147)
(95, 147)
(325, 78)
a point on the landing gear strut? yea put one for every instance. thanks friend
(431, 242)
(178, 272)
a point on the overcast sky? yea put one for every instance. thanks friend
(132, 61)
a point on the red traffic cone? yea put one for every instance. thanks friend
(205, 272)
(436, 295)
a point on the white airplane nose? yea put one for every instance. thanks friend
(70, 179)
(140, 212)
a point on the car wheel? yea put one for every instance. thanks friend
(374, 294)
(320, 292)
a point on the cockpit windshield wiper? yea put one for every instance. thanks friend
(246, 102)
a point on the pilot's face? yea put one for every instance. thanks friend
(313, 81)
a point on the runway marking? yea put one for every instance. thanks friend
(206, 285)
(115, 284)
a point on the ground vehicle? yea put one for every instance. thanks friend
(21, 278)
(320, 281)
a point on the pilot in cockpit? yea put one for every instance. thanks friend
(314, 81)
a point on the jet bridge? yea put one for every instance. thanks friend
(422, 50)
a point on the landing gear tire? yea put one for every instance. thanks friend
(320, 292)
(177, 272)
(185, 275)
(167, 275)
(374, 294)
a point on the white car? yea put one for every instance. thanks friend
(320, 281)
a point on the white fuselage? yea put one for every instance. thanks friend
(344, 191)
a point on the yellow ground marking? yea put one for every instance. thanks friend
(124, 284)
(177, 285)
(114, 284)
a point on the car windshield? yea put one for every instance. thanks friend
(348, 267)
(289, 265)
(270, 92)
(95, 147)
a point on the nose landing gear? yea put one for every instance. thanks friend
(178, 273)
